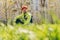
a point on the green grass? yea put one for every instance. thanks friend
(30, 32)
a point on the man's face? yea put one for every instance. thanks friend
(24, 10)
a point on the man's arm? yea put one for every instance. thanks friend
(17, 17)
(28, 19)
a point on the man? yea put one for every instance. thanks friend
(24, 18)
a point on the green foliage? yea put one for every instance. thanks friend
(30, 32)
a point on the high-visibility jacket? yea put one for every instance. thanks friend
(24, 18)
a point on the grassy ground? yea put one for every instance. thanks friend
(30, 32)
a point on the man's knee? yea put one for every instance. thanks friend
(19, 21)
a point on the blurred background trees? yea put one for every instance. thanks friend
(43, 11)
